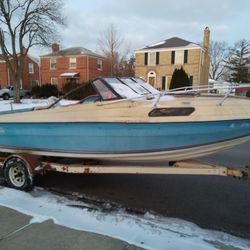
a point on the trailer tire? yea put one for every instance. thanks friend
(17, 174)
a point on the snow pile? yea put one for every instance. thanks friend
(30, 103)
(149, 231)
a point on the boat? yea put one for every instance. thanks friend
(129, 120)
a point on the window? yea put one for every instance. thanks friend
(34, 83)
(31, 68)
(53, 81)
(99, 64)
(171, 112)
(72, 62)
(179, 57)
(53, 63)
(152, 58)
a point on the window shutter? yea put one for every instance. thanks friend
(146, 59)
(163, 82)
(173, 57)
(185, 56)
(157, 58)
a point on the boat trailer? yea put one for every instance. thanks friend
(18, 170)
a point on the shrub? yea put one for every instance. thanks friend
(179, 79)
(45, 90)
(35, 91)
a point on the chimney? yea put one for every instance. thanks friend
(55, 47)
(24, 51)
(206, 38)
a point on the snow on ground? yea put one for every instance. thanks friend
(148, 231)
(30, 103)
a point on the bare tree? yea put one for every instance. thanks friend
(24, 24)
(109, 43)
(218, 52)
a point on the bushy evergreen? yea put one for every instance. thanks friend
(238, 62)
(45, 91)
(48, 90)
(179, 79)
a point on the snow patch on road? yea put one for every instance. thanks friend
(148, 231)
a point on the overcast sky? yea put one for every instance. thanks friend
(143, 22)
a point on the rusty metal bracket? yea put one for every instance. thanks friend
(246, 172)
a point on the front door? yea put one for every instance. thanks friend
(151, 80)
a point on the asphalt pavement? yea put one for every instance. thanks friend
(16, 232)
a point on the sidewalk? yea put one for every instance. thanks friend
(17, 233)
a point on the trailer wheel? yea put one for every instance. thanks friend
(17, 174)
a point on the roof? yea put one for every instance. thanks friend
(173, 42)
(34, 59)
(74, 51)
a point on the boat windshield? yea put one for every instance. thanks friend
(145, 85)
(121, 88)
(135, 86)
(130, 87)
(104, 91)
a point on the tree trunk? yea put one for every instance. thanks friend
(17, 90)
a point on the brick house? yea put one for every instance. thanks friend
(156, 63)
(29, 77)
(75, 64)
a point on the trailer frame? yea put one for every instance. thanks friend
(22, 168)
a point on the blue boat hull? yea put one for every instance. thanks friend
(115, 140)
